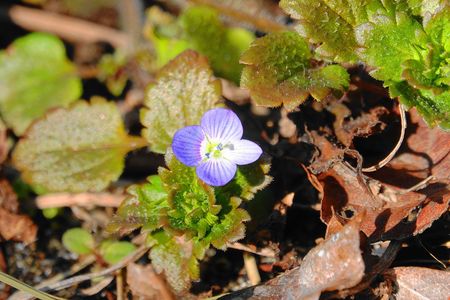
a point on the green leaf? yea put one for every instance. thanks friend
(113, 252)
(78, 240)
(279, 71)
(184, 216)
(223, 46)
(424, 7)
(248, 181)
(192, 203)
(142, 208)
(174, 256)
(184, 90)
(401, 37)
(35, 75)
(435, 109)
(330, 24)
(78, 149)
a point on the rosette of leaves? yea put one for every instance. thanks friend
(199, 28)
(279, 70)
(405, 44)
(184, 217)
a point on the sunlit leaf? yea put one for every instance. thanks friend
(279, 71)
(77, 149)
(78, 240)
(184, 90)
(35, 75)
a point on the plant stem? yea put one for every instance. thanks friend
(17, 284)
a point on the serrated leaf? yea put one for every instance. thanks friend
(174, 256)
(142, 208)
(279, 71)
(400, 38)
(192, 203)
(78, 240)
(78, 149)
(328, 23)
(113, 252)
(435, 109)
(35, 75)
(185, 89)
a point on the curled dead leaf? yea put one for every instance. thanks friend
(402, 206)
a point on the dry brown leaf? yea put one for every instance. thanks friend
(415, 283)
(335, 264)
(145, 284)
(8, 198)
(400, 215)
(12, 225)
(328, 153)
(17, 227)
(396, 211)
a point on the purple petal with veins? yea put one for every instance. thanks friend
(216, 172)
(222, 125)
(186, 145)
(242, 152)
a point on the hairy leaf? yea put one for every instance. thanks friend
(35, 75)
(142, 208)
(279, 71)
(409, 53)
(74, 150)
(78, 240)
(399, 37)
(175, 257)
(330, 24)
(185, 216)
(184, 91)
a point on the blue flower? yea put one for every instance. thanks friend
(215, 147)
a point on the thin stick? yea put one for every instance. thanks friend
(81, 199)
(263, 252)
(80, 278)
(69, 28)
(388, 158)
(77, 279)
(251, 268)
(17, 284)
(119, 285)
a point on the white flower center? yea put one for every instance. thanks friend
(211, 149)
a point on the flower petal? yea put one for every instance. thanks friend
(186, 145)
(222, 125)
(216, 172)
(242, 152)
